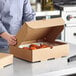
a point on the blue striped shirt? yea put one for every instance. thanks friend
(13, 13)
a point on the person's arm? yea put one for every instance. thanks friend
(28, 12)
(4, 34)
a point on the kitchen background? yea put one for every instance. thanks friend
(66, 9)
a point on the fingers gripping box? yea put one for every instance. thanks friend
(45, 31)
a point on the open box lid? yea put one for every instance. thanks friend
(39, 29)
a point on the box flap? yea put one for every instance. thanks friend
(3, 55)
(45, 23)
(39, 29)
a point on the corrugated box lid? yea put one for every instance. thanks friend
(35, 30)
(3, 55)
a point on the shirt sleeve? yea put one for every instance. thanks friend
(28, 12)
(2, 28)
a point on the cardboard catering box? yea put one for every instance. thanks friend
(44, 31)
(5, 59)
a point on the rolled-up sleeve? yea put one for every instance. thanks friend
(28, 12)
(2, 28)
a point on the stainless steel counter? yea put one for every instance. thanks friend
(56, 67)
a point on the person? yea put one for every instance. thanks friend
(13, 13)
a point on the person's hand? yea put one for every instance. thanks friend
(11, 39)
